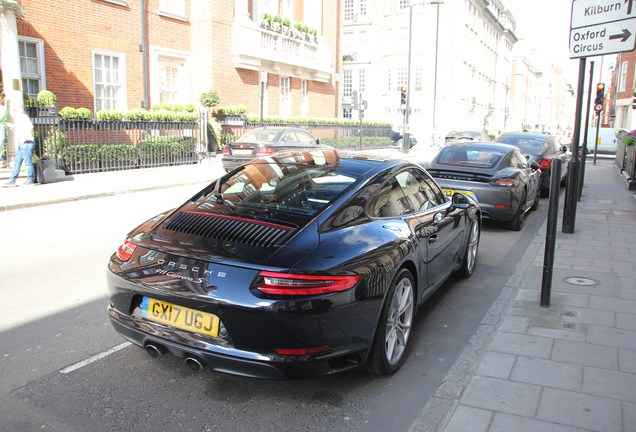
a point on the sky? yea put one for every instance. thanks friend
(543, 27)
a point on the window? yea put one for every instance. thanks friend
(419, 73)
(347, 82)
(402, 77)
(170, 76)
(362, 73)
(172, 8)
(108, 73)
(354, 9)
(404, 4)
(285, 99)
(348, 10)
(622, 77)
(388, 80)
(32, 66)
(409, 191)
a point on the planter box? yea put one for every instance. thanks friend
(231, 119)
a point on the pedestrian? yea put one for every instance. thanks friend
(4, 115)
(23, 133)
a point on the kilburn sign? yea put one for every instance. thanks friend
(602, 27)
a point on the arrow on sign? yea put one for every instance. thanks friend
(623, 36)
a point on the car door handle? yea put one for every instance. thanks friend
(432, 239)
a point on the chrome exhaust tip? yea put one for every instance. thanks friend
(155, 350)
(195, 364)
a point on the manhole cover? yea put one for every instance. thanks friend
(581, 281)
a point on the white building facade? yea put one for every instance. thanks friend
(460, 63)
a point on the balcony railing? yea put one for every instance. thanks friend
(261, 49)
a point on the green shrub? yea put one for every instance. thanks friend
(231, 110)
(109, 115)
(46, 98)
(84, 114)
(162, 115)
(189, 107)
(137, 114)
(68, 113)
(185, 116)
(209, 99)
(54, 143)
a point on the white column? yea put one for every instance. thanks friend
(10, 60)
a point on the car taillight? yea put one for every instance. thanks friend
(545, 164)
(265, 151)
(126, 250)
(299, 284)
(226, 151)
(505, 182)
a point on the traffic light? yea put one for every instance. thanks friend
(600, 94)
(403, 98)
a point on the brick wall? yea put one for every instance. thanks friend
(71, 29)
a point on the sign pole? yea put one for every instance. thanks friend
(587, 122)
(569, 204)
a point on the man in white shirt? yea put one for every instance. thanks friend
(23, 133)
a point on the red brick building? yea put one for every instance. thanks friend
(125, 54)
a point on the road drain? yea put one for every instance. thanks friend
(581, 281)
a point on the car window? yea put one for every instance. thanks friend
(428, 194)
(305, 137)
(389, 201)
(518, 160)
(527, 145)
(470, 156)
(290, 137)
(408, 192)
(305, 188)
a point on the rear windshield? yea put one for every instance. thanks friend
(475, 157)
(300, 188)
(260, 136)
(533, 146)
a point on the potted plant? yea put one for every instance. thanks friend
(209, 99)
(231, 115)
(46, 98)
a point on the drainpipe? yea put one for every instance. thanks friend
(144, 52)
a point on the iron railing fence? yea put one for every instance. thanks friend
(85, 146)
(342, 136)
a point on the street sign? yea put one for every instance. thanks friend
(598, 107)
(592, 12)
(602, 27)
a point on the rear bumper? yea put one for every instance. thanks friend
(226, 359)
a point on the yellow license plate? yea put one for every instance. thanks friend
(450, 192)
(180, 317)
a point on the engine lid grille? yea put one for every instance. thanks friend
(229, 228)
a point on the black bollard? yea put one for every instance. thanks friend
(550, 237)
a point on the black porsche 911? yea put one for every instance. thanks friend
(308, 264)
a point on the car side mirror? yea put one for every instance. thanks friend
(564, 149)
(534, 165)
(317, 140)
(460, 201)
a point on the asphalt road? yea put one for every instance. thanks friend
(63, 368)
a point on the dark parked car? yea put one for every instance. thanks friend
(307, 264)
(263, 142)
(398, 139)
(542, 149)
(498, 176)
(464, 135)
